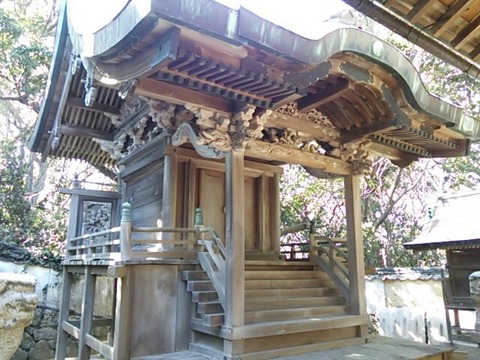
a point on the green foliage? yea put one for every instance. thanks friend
(29, 233)
(393, 210)
(23, 54)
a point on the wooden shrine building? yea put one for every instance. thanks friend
(194, 107)
(454, 228)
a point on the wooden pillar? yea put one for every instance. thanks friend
(356, 267)
(235, 239)
(275, 214)
(73, 218)
(121, 335)
(169, 189)
(87, 313)
(126, 232)
(61, 349)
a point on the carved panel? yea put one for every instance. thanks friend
(97, 216)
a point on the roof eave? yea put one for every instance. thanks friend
(56, 75)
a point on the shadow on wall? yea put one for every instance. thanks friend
(408, 303)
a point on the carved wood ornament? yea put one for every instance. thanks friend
(268, 134)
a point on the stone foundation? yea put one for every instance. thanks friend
(17, 306)
(39, 339)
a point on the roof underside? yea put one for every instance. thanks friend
(346, 87)
(448, 29)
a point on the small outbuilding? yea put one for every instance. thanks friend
(454, 228)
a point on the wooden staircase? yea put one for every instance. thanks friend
(207, 307)
(286, 291)
(290, 308)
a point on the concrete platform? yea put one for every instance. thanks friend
(378, 347)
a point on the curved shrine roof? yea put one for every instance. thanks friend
(185, 58)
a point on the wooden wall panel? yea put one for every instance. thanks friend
(145, 195)
(153, 332)
(212, 199)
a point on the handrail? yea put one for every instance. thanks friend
(326, 252)
(163, 229)
(100, 233)
(213, 261)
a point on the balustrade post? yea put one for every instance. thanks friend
(126, 232)
(198, 224)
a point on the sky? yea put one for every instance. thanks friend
(301, 16)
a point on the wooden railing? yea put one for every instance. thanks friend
(134, 243)
(212, 256)
(295, 251)
(100, 245)
(328, 253)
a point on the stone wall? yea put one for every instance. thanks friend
(39, 339)
(17, 305)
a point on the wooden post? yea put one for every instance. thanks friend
(275, 214)
(126, 232)
(356, 267)
(198, 224)
(62, 336)
(168, 194)
(235, 239)
(73, 216)
(121, 335)
(87, 313)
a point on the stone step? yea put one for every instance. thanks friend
(288, 314)
(291, 303)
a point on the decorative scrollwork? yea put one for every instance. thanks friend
(162, 113)
(356, 153)
(186, 132)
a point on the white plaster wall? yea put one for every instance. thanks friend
(48, 282)
(403, 307)
(49, 287)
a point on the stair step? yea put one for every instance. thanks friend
(216, 319)
(189, 275)
(210, 307)
(278, 265)
(291, 293)
(286, 284)
(291, 303)
(287, 314)
(204, 296)
(283, 274)
(200, 285)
